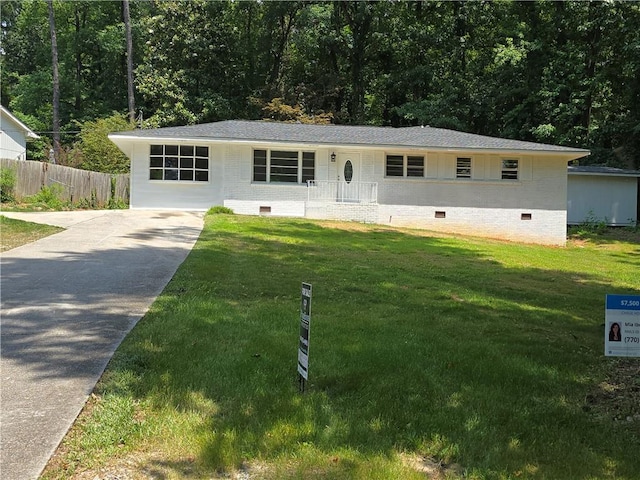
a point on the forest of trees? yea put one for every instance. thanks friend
(555, 72)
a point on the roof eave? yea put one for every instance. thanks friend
(568, 154)
(27, 131)
(606, 174)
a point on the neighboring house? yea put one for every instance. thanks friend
(419, 177)
(13, 136)
(603, 194)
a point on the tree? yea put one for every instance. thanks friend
(557, 72)
(56, 82)
(188, 75)
(277, 110)
(100, 154)
(130, 87)
(358, 17)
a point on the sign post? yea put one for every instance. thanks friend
(622, 326)
(303, 343)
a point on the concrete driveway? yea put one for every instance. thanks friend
(68, 300)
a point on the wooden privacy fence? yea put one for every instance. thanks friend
(74, 185)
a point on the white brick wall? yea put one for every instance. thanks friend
(367, 213)
(523, 225)
(267, 207)
(156, 194)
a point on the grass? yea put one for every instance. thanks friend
(14, 233)
(429, 355)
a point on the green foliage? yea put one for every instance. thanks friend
(556, 72)
(49, 197)
(544, 133)
(100, 154)
(88, 203)
(219, 209)
(37, 148)
(7, 184)
(278, 110)
(592, 225)
(117, 204)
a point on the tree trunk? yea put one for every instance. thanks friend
(359, 17)
(286, 21)
(127, 29)
(56, 83)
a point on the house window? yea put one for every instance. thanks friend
(405, 166)
(308, 166)
(415, 166)
(283, 166)
(463, 167)
(186, 163)
(510, 169)
(259, 165)
(395, 166)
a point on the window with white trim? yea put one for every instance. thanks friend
(463, 167)
(283, 166)
(181, 163)
(510, 169)
(404, 166)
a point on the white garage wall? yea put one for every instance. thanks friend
(610, 199)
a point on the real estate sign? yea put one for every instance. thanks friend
(305, 324)
(622, 326)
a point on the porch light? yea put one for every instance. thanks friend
(333, 156)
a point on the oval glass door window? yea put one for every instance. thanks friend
(348, 171)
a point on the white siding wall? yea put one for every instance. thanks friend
(602, 198)
(158, 194)
(13, 143)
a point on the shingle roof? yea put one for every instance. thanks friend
(409, 137)
(602, 171)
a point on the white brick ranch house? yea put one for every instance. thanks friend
(421, 177)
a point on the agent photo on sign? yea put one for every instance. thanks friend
(614, 333)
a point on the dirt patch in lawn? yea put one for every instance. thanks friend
(617, 398)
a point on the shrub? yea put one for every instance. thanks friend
(89, 203)
(592, 225)
(48, 197)
(117, 204)
(220, 209)
(100, 154)
(7, 184)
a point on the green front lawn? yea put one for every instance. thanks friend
(14, 233)
(428, 355)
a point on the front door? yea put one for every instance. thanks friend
(348, 177)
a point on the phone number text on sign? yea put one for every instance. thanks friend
(622, 326)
